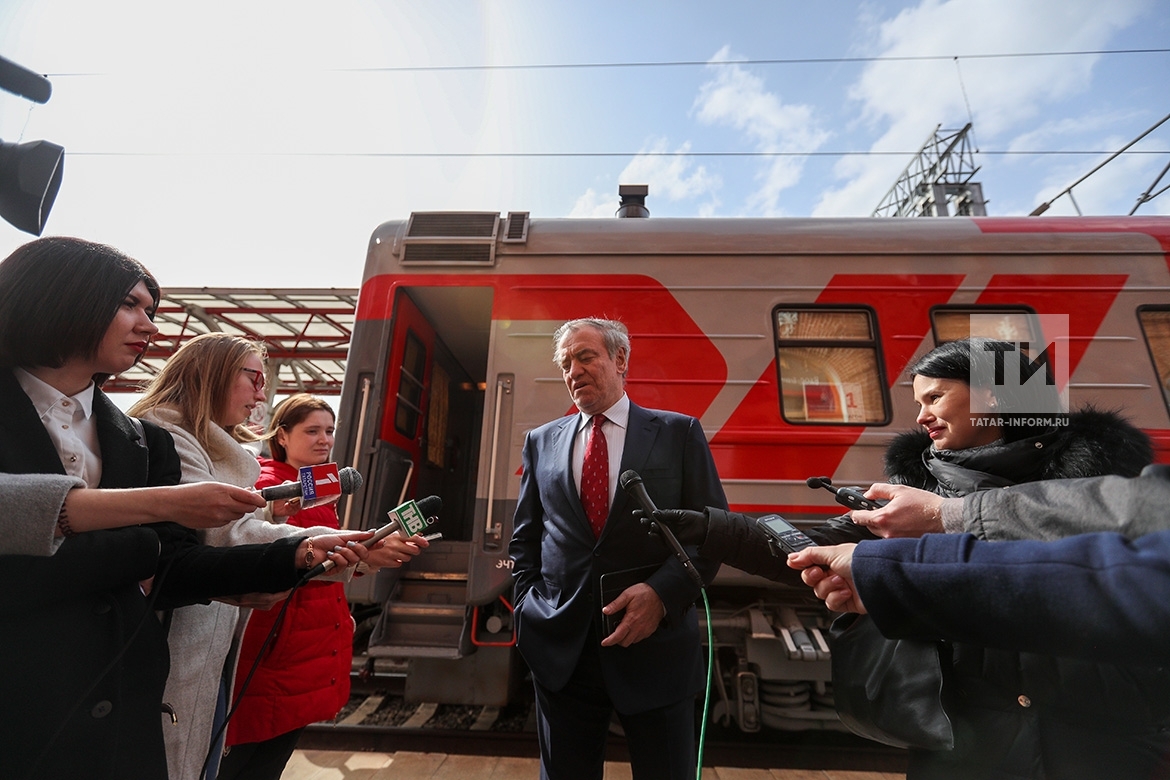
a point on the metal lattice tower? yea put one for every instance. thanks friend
(937, 182)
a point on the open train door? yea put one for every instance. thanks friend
(408, 380)
(395, 402)
(434, 355)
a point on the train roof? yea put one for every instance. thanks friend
(734, 235)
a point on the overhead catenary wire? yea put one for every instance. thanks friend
(757, 154)
(696, 63)
(680, 63)
(776, 61)
(841, 153)
(1068, 190)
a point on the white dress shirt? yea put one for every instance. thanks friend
(70, 424)
(617, 419)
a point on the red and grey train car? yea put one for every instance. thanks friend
(787, 338)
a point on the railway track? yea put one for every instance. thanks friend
(379, 719)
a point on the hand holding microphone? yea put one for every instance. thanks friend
(689, 526)
(321, 553)
(330, 484)
(407, 520)
(401, 538)
(631, 482)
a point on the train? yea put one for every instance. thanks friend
(787, 338)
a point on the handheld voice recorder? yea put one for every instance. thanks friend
(783, 534)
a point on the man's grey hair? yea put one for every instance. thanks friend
(614, 335)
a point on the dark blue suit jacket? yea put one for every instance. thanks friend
(1098, 596)
(559, 563)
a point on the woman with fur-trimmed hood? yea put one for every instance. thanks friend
(1020, 715)
(1017, 437)
(1024, 715)
(1014, 715)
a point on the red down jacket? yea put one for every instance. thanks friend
(304, 676)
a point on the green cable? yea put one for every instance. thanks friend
(707, 695)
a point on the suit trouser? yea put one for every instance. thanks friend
(573, 726)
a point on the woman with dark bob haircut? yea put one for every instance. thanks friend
(73, 313)
(49, 328)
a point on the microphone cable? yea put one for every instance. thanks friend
(710, 674)
(431, 502)
(276, 624)
(631, 482)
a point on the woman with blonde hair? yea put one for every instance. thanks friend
(204, 397)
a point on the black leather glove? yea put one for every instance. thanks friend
(689, 527)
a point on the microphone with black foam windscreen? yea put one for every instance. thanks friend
(350, 479)
(631, 482)
(408, 519)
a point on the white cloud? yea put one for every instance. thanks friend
(673, 177)
(593, 204)
(905, 99)
(237, 100)
(1059, 132)
(737, 98)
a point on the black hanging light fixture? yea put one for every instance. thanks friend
(30, 173)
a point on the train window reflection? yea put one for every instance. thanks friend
(410, 387)
(1017, 323)
(829, 366)
(437, 411)
(1155, 323)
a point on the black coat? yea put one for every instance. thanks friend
(84, 655)
(1027, 715)
(1015, 715)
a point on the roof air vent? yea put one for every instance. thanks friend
(451, 238)
(516, 231)
(633, 200)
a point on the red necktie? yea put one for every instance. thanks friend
(595, 477)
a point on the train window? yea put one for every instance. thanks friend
(1017, 323)
(1156, 327)
(829, 366)
(410, 386)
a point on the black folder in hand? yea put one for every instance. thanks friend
(612, 585)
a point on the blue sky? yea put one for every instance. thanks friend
(245, 143)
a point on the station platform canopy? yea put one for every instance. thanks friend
(306, 332)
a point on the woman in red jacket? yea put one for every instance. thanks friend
(304, 674)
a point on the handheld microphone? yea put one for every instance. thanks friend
(851, 497)
(410, 518)
(631, 482)
(350, 478)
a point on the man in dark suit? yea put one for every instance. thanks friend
(650, 667)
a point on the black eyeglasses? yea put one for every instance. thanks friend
(257, 378)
